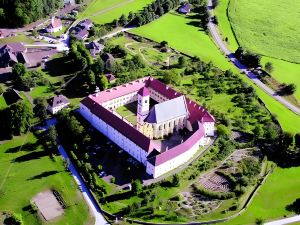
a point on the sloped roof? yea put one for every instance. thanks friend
(168, 110)
(181, 148)
(110, 77)
(13, 47)
(144, 91)
(55, 23)
(58, 100)
(117, 123)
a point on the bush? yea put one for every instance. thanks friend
(212, 194)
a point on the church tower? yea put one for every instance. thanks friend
(142, 107)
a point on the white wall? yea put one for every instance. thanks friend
(123, 142)
(209, 128)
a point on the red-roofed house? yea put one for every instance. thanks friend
(55, 25)
(172, 112)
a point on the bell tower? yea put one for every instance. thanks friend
(142, 107)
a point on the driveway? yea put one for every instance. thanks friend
(242, 68)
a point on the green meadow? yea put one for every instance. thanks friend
(105, 11)
(28, 170)
(181, 34)
(280, 190)
(284, 71)
(268, 27)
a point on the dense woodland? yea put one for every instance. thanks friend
(21, 12)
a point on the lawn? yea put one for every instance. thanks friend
(18, 38)
(273, 197)
(105, 11)
(2, 102)
(183, 33)
(284, 72)
(128, 112)
(23, 178)
(267, 27)
(168, 27)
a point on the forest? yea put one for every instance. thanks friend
(21, 12)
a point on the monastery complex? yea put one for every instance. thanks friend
(161, 113)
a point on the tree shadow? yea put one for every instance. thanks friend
(117, 197)
(31, 156)
(25, 148)
(60, 66)
(44, 174)
(294, 207)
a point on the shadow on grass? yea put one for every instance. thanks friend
(44, 174)
(60, 66)
(26, 148)
(31, 156)
(117, 197)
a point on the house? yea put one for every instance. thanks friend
(185, 8)
(82, 34)
(86, 24)
(13, 53)
(55, 25)
(12, 96)
(95, 48)
(171, 112)
(57, 103)
(110, 77)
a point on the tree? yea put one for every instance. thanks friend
(1, 90)
(258, 131)
(295, 206)
(289, 89)
(103, 83)
(175, 180)
(164, 44)
(98, 66)
(123, 20)
(269, 67)
(19, 70)
(52, 136)
(297, 140)
(14, 219)
(182, 62)
(171, 77)
(40, 108)
(215, 3)
(136, 186)
(20, 117)
(223, 131)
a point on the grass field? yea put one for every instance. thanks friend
(183, 33)
(105, 11)
(196, 42)
(18, 38)
(2, 102)
(32, 172)
(267, 27)
(273, 197)
(128, 112)
(284, 72)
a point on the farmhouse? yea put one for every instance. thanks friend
(57, 103)
(185, 8)
(55, 25)
(95, 48)
(13, 53)
(170, 114)
(110, 77)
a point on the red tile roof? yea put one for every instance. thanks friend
(144, 92)
(179, 149)
(55, 22)
(196, 114)
(117, 123)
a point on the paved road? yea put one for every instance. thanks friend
(99, 219)
(285, 221)
(242, 68)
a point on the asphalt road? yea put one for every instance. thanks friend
(218, 40)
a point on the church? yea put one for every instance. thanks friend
(161, 113)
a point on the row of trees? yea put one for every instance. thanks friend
(21, 12)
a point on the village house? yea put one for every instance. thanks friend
(55, 25)
(95, 48)
(57, 103)
(110, 77)
(13, 53)
(185, 8)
